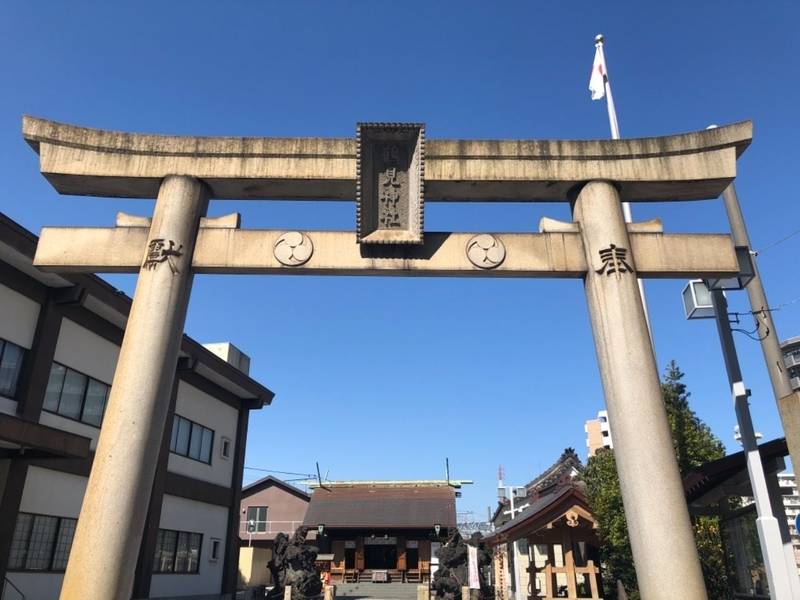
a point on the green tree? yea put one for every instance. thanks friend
(694, 445)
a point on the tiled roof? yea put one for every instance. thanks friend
(705, 478)
(362, 506)
(568, 460)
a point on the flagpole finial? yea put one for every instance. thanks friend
(598, 39)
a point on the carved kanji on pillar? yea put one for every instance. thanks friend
(161, 250)
(614, 261)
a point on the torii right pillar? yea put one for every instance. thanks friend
(662, 540)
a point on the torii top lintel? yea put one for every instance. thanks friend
(94, 162)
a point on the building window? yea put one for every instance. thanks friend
(10, 364)
(177, 551)
(41, 543)
(214, 549)
(225, 448)
(191, 439)
(257, 519)
(76, 396)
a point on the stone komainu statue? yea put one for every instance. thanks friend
(453, 570)
(293, 564)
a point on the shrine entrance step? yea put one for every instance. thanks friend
(377, 591)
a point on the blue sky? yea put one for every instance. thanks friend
(381, 377)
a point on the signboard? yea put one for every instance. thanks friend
(389, 182)
(380, 541)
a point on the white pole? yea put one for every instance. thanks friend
(626, 207)
(769, 536)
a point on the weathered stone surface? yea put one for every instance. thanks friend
(338, 253)
(648, 478)
(453, 569)
(293, 568)
(389, 183)
(114, 509)
(79, 160)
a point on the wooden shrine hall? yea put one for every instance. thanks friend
(561, 535)
(382, 531)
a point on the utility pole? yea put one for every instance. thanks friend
(508, 491)
(782, 580)
(788, 400)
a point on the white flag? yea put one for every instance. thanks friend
(472, 568)
(597, 82)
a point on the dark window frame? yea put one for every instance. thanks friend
(56, 550)
(89, 380)
(12, 392)
(173, 440)
(258, 523)
(159, 550)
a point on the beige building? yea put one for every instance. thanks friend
(548, 548)
(269, 506)
(598, 433)
(60, 338)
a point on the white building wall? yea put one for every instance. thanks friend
(48, 493)
(182, 514)
(91, 354)
(86, 352)
(52, 493)
(18, 325)
(36, 586)
(20, 315)
(218, 416)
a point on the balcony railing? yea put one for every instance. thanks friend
(268, 527)
(791, 360)
(795, 383)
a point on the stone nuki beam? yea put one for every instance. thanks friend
(121, 250)
(84, 161)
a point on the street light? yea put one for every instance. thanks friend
(437, 528)
(697, 303)
(695, 299)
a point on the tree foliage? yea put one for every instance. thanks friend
(694, 445)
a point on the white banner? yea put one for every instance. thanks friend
(472, 555)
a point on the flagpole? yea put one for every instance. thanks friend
(614, 124)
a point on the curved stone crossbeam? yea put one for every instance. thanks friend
(84, 161)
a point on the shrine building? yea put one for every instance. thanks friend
(549, 548)
(382, 530)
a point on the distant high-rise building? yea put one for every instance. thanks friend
(598, 433)
(791, 506)
(791, 358)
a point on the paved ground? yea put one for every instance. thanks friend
(377, 591)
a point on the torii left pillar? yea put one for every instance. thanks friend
(106, 545)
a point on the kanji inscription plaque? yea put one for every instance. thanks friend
(389, 188)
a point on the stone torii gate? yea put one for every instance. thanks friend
(390, 170)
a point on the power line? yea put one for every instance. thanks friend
(780, 241)
(279, 472)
